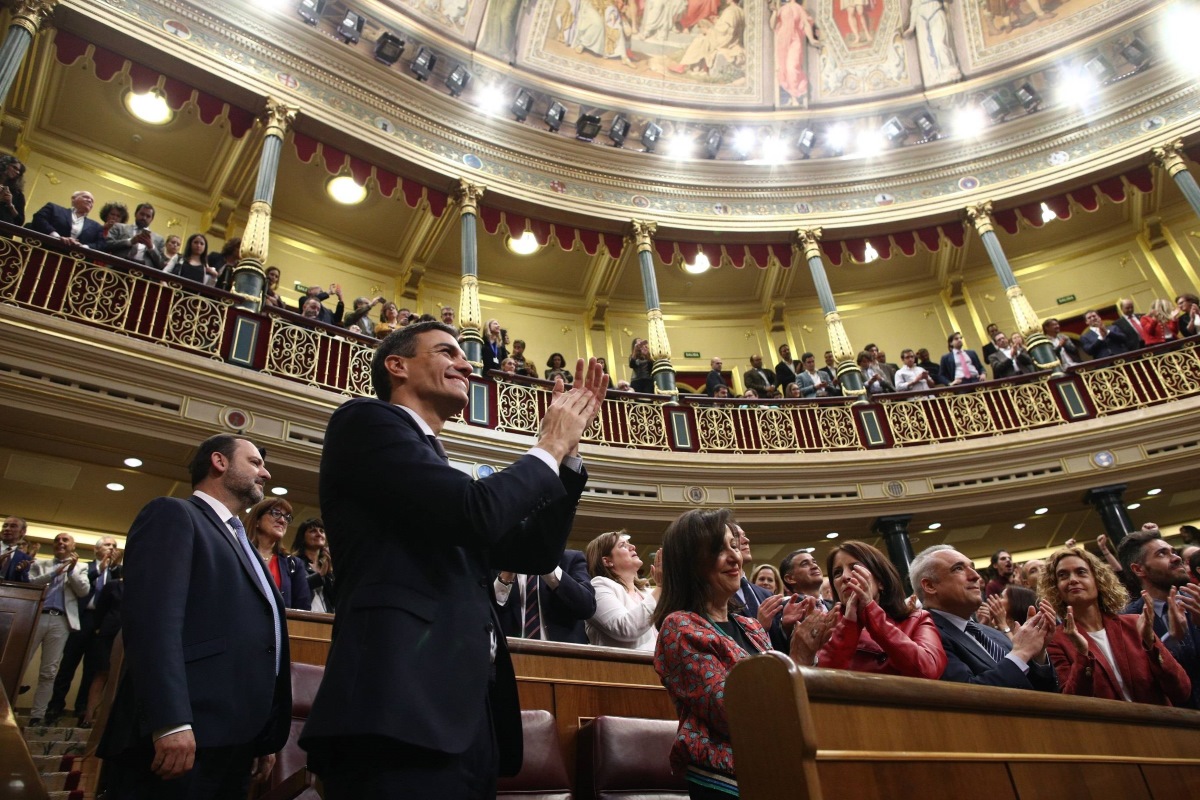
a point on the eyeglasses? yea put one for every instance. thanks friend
(279, 513)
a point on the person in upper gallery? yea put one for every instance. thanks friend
(1162, 576)
(1187, 315)
(508, 366)
(640, 365)
(948, 586)
(1096, 650)
(880, 365)
(1002, 573)
(926, 364)
(71, 225)
(1100, 340)
(910, 377)
(271, 296)
(12, 190)
(624, 603)
(714, 378)
(447, 315)
(990, 346)
(877, 631)
(192, 262)
(767, 577)
(831, 374)
(959, 365)
(419, 697)
(873, 381)
(550, 607)
(325, 315)
(1130, 324)
(721, 391)
(311, 308)
(1157, 324)
(786, 369)
(221, 264)
(1007, 360)
(811, 381)
(518, 357)
(557, 368)
(1062, 345)
(136, 242)
(266, 525)
(494, 350)
(312, 548)
(172, 251)
(701, 639)
(389, 320)
(762, 381)
(361, 315)
(111, 214)
(792, 392)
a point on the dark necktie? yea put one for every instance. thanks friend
(533, 620)
(992, 647)
(437, 445)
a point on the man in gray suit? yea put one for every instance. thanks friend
(948, 586)
(137, 242)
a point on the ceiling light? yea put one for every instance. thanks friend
(350, 28)
(310, 10)
(1153, 492)
(422, 66)
(869, 254)
(618, 130)
(150, 107)
(1177, 35)
(1019, 526)
(115, 487)
(1134, 506)
(1098, 69)
(133, 462)
(458, 80)
(810, 549)
(554, 116)
(587, 127)
(1077, 87)
(1048, 213)
(805, 142)
(712, 142)
(831, 535)
(933, 526)
(523, 245)
(1041, 510)
(1030, 100)
(837, 137)
(388, 48)
(490, 100)
(681, 146)
(969, 122)
(650, 136)
(868, 143)
(774, 150)
(278, 491)
(700, 265)
(894, 131)
(345, 190)
(744, 140)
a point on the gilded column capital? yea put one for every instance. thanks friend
(980, 215)
(643, 233)
(1170, 157)
(30, 14)
(807, 239)
(468, 195)
(279, 117)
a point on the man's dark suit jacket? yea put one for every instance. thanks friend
(563, 609)
(1131, 336)
(1186, 651)
(51, 219)
(950, 362)
(713, 380)
(759, 380)
(416, 543)
(1111, 345)
(12, 570)
(1003, 366)
(966, 662)
(199, 637)
(786, 374)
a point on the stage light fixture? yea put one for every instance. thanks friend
(1136, 53)
(650, 136)
(744, 140)
(1098, 69)
(712, 142)
(311, 10)
(521, 105)
(388, 48)
(1028, 96)
(894, 131)
(927, 125)
(587, 127)
(806, 141)
(422, 66)
(554, 116)
(458, 80)
(619, 130)
(995, 105)
(351, 27)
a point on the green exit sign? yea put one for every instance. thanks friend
(1067, 298)
(691, 353)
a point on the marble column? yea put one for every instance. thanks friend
(849, 375)
(1040, 348)
(894, 531)
(1170, 158)
(470, 322)
(660, 348)
(249, 276)
(1110, 505)
(27, 19)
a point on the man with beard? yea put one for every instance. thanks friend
(1162, 575)
(1002, 569)
(206, 699)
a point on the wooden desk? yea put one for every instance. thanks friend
(20, 606)
(19, 776)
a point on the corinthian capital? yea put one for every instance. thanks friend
(279, 117)
(643, 233)
(980, 215)
(807, 239)
(1170, 157)
(468, 195)
(30, 14)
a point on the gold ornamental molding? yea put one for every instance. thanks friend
(255, 239)
(1170, 157)
(643, 234)
(469, 314)
(660, 347)
(467, 194)
(31, 14)
(980, 215)
(279, 117)
(808, 239)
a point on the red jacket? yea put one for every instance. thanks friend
(1152, 676)
(693, 659)
(874, 643)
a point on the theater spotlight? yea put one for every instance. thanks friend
(712, 142)
(650, 136)
(554, 116)
(1028, 96)
(422, 66)
(521, 105)
(1136, 53)
(619, 130)
(587, 127)
(927, 126)
(457, 80)
(894, 131)
(995, 105)
(350, 28)
(310, 10)
(1098, 69)
(805, 142)
(388, 48)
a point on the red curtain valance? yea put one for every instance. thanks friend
(308, 148)
(567, 237)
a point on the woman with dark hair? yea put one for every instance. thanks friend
(312, 548)
(1187, 315)
(221, 264)
(624, 604)
(112, 214)
(12, 190)
(192, 262)
(494, 349)
(389, 320)
(640, 363)
(1099, 652)
(558, 369)
(271, 290)
(700, 641)
(878, 632)
(266, 524)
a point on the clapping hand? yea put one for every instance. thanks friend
(1076, 637)
(812, 631)
(1145, 622)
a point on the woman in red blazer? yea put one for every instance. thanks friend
(1098, 652)
(878, 632)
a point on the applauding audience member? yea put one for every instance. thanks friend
(12, 190)
(1187, 315)
(66, 581)
(494, 351)
(640, 364)
(624, 604)
(1157, 325)
(361, 315)
(222, 264)
(389, 320)
(551, 607)
(767, 577)
(271, 297)
(266, 525)
(71, 225)
(14, 561)
(312, 548)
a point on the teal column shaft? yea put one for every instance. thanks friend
(472, 340)
(268, 169)
(824, 294)
(1185, 182)
(12, 55)
(649, 284)
(999, 261)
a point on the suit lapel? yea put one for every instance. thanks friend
(966, 645)
(221, 530)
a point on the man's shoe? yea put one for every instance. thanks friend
(35, 722)
(51, 719)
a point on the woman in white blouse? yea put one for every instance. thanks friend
(624, 604)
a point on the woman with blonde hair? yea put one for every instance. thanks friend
(1157, 325)
(640, 364)
(494, 351)
(768, 577)
(1099, 652)
(624, 604)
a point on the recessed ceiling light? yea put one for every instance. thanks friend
(933, 526)
(150, 107)
(115, 487)
(278, 491)
(831, 535)
(1153, 492)
(1041, 510)
(1019, 526)
(133, 462)
(345, 190)
(810, 549)
(523, 245)
(1134, 506)
(700, 265)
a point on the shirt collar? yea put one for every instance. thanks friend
(222, 512)
(953, 619)
(422, 424)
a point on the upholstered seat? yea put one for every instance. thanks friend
(628, 758)
(543, 774)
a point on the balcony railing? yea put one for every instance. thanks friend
(40, 274)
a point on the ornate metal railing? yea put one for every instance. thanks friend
(39, 274)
